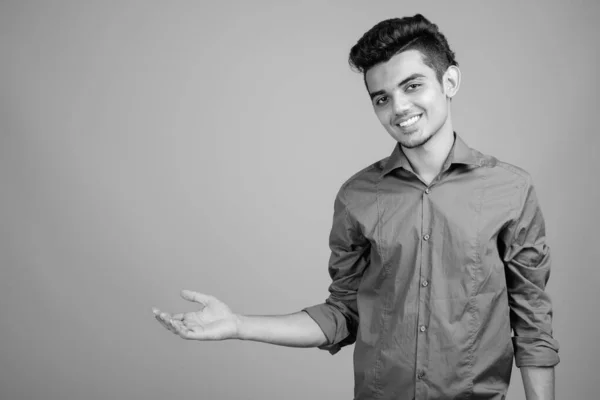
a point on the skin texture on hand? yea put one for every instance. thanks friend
(214, 320)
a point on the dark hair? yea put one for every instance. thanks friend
(393, 36)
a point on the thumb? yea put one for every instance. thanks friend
(196, 297)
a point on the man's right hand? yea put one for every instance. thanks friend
(214, 320)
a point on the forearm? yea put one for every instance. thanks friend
(292, 330)
(538, 382)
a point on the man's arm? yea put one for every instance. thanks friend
(538, 382)
(293, 330)
(215, 321)
(527, 267)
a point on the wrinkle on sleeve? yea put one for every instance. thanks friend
(338, 315)
(527, 265)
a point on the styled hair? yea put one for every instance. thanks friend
(393, 36)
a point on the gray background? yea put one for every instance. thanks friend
(152, 146)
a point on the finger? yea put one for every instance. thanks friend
(177, 325)
(164, 324)
(158, 313)
(181, 329)
(166, 320)
(165, 316)
(196, 297)
(179, 316)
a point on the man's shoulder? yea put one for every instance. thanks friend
(505, 168)
(366, 177)
(362, 185)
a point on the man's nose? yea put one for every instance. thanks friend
(400, 105)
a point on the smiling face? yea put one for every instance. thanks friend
(409, 100)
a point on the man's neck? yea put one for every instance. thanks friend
(427, 160)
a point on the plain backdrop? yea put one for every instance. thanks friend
(151, 146)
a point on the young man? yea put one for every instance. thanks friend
(437, 252)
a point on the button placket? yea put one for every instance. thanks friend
(423, 317)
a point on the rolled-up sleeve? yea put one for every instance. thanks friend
(527, 266)
(338, 315)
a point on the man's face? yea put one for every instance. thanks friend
(408, 99)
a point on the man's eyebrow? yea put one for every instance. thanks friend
(407, 79)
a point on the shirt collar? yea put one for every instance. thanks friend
(460, 153)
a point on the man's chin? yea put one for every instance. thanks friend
(413, 140)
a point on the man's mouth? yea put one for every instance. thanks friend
(411, 121)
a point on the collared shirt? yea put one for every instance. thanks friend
(430, 280)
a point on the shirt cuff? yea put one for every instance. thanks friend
(333, 324)
(535, 352)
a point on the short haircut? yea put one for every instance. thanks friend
(393, 36)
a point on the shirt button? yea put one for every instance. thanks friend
(422, 328)
(426, 237)
(420, 374)
(425, 283)
(427, 190)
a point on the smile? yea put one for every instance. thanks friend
(410, 121)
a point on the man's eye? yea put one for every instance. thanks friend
(380, 101)
(413, 86)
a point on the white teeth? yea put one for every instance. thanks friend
(410, 121)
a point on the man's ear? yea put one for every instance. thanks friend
(451, 81)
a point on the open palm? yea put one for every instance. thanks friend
(214, 321)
